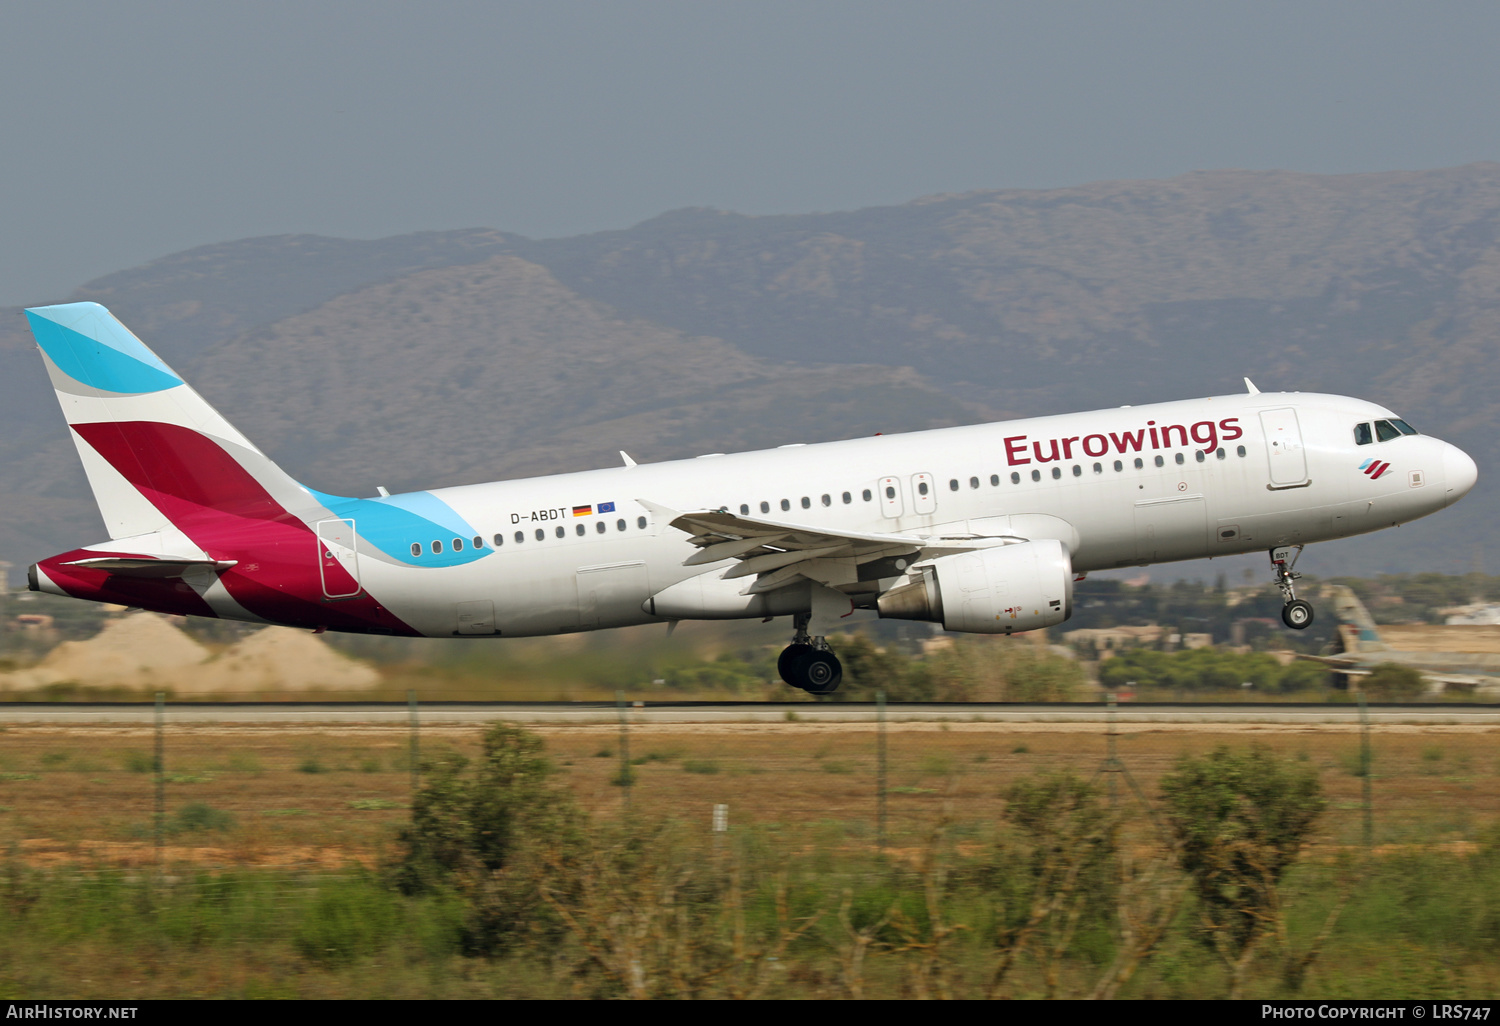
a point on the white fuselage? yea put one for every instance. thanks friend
(1217, 476)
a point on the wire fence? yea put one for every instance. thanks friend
(317, 793)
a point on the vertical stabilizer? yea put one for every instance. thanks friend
(1348, 608)
(155, 453)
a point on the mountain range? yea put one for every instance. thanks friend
(446, 357)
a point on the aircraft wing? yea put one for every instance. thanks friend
(775, 552)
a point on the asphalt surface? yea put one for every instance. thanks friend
(561, 713)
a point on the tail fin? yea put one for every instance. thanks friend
(1348, 608)
(155, 453)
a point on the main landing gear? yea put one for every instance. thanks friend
(1295, 613)
(808, 663)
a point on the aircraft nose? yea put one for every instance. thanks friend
(1459, 473)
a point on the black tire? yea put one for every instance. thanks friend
(1297, 615)
(787, 663)
(821, 673)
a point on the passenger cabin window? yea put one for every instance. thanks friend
(1200, 455)
(973, 482)
(765, 507)
(921, 487)
(520, 537)
(1119, 466)
(1220, 453)
(1036, 475)
(744, 509)
(1363, 435)
(1056, 473)
(478, 542)
(560, 532)
(1015, 477)
(599, 527)
(416, 548)
(619, 525)
(847, 498)
(1239, 450)
(580, 529)
(541, 535)
(437, 546)
(994, 480)
(458, 544)
(1181, 459)
(806, 502)
(890, 491)
(1077, 470)
(1160, 462)
(867, 495)
(1098, 468)
(786, 504)
(953, 484)
(640, 522)
(499, 540)
(1139, 463)
(1385, 430)
(827, 500)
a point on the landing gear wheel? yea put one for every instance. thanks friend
(786, 663)
(816, 671)
(1297, 615)
(821, 672)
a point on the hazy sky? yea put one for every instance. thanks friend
(134, 129)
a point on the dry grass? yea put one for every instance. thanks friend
(326, 796)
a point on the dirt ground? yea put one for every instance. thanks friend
(331, 796)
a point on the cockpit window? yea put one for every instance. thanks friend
(1403, 427)
(1363, 435)
(1385, 431)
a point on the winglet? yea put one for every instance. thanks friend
(626, 457)
(1250, 387)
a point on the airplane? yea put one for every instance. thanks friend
(982, 529)
(1364, 650)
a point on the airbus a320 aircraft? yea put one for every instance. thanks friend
(982, 529)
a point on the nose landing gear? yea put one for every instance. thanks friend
(808, 663)
(1295, 613)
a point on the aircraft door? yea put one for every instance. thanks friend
(890, 497)
(924, 493)
(338, 560)
(1284, 448)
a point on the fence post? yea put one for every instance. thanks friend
(1364, 771)
(624, 747)
(880, 787)
(159, 764)
(414, 742)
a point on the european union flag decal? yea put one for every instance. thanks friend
(606, 507)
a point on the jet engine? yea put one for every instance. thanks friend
(1000, 590)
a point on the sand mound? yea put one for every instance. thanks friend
(144, 650)
(138, 651)
(281, 659)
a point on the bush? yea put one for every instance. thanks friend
(490, 831)
(1240, 819)
(1392, 682)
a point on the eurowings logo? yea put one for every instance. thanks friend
(1374, 468)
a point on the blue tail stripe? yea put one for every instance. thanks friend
(86, 343)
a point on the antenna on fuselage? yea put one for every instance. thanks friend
(1250, 387)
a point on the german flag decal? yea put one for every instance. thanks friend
(582, 511)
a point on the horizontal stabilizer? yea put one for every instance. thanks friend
(150, 566)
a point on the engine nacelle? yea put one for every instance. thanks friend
(1002, 590)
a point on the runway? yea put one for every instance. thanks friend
(564, 713)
